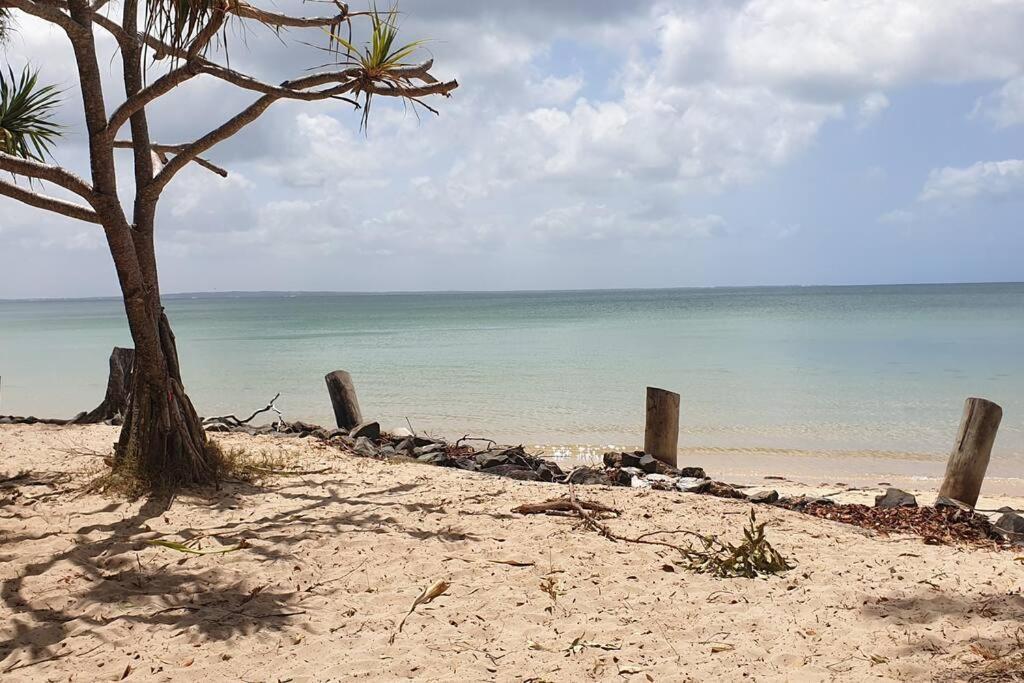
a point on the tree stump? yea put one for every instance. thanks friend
(343, 398)
(661, 435)
(119, 387)
(965, 470)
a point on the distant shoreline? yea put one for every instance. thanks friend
(284, 293)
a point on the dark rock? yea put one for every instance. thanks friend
(422, 441)
(435, 458)
(405, 446)
(370, 430)
(363, 446)
(487, 460)
(468, 464)
(895, 498)
(321, 433)
(764, 497)
(334, 433)
(1010, 525)
(299, 427)
(630, 459)
(944, 502)
(513, 472)
(586, 476)
(613, 460)
(549, 471)
(6, 420)
(217, 428)
(648, 464)
(821, 501)
(695, 472)
(432, 448)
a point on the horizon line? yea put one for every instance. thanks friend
(326, 292)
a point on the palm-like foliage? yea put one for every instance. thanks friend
(179, 22)
(26, 111)
(5, 23)
(379, 58)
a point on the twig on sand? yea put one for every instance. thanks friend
(233, 421)
(427, 595)
(51, 658)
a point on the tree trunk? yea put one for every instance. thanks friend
(119, 384)
(162, 442)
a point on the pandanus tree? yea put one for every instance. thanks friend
(163, 44)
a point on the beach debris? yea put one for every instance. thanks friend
(426, 596)
(944, 502)
(752, 558)
(587, 476)
(895, 498)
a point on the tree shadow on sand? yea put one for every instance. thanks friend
(185, 593)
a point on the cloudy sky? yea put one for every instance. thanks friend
(591, 144)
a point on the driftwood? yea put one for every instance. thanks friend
(234, 421)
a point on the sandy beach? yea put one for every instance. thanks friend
(334, 558)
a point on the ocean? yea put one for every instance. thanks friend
(839, 374)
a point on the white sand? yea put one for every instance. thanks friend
(336, 559)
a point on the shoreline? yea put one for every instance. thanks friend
(328, 561)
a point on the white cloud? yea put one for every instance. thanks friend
(870, 108)
(1004, 107)
(992, 179)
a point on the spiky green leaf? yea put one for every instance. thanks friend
(27, 129)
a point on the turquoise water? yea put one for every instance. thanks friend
(882, 370)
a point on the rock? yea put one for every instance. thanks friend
(639, 483)
(363, 446)
(613, 460)
(335, 433)
(422, 441)
(402, 433)
(587, 476)
(691, 484)
(1010, 525)
(405, 446)
(370, 430)
(695, 472)
(434, 458)
(321, 434)
(5, 420)
(513, 472)
(895, 498)
(630, 459)
(944, 502)
(764, 497)
(648, 464)
(487, 460)
(432, 448)
(549, 471)
(387, 452)
(217, 427)
(468, 464)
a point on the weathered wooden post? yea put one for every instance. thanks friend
(967, 463)
(661, 435)
(343, 399)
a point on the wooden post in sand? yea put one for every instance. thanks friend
(967, 463)
(661, 435)
(343, 399)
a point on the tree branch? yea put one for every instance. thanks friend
(54, 174)
(154, 90)
(47, 12)
(247, 11)
(163, 150)
(42, 201)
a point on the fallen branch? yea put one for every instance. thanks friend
(233, 421)
(427, 595)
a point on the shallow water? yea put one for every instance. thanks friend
(847, 373)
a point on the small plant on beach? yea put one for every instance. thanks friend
(752, 558)
(163, 46)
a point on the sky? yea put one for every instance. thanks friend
(591, 144)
